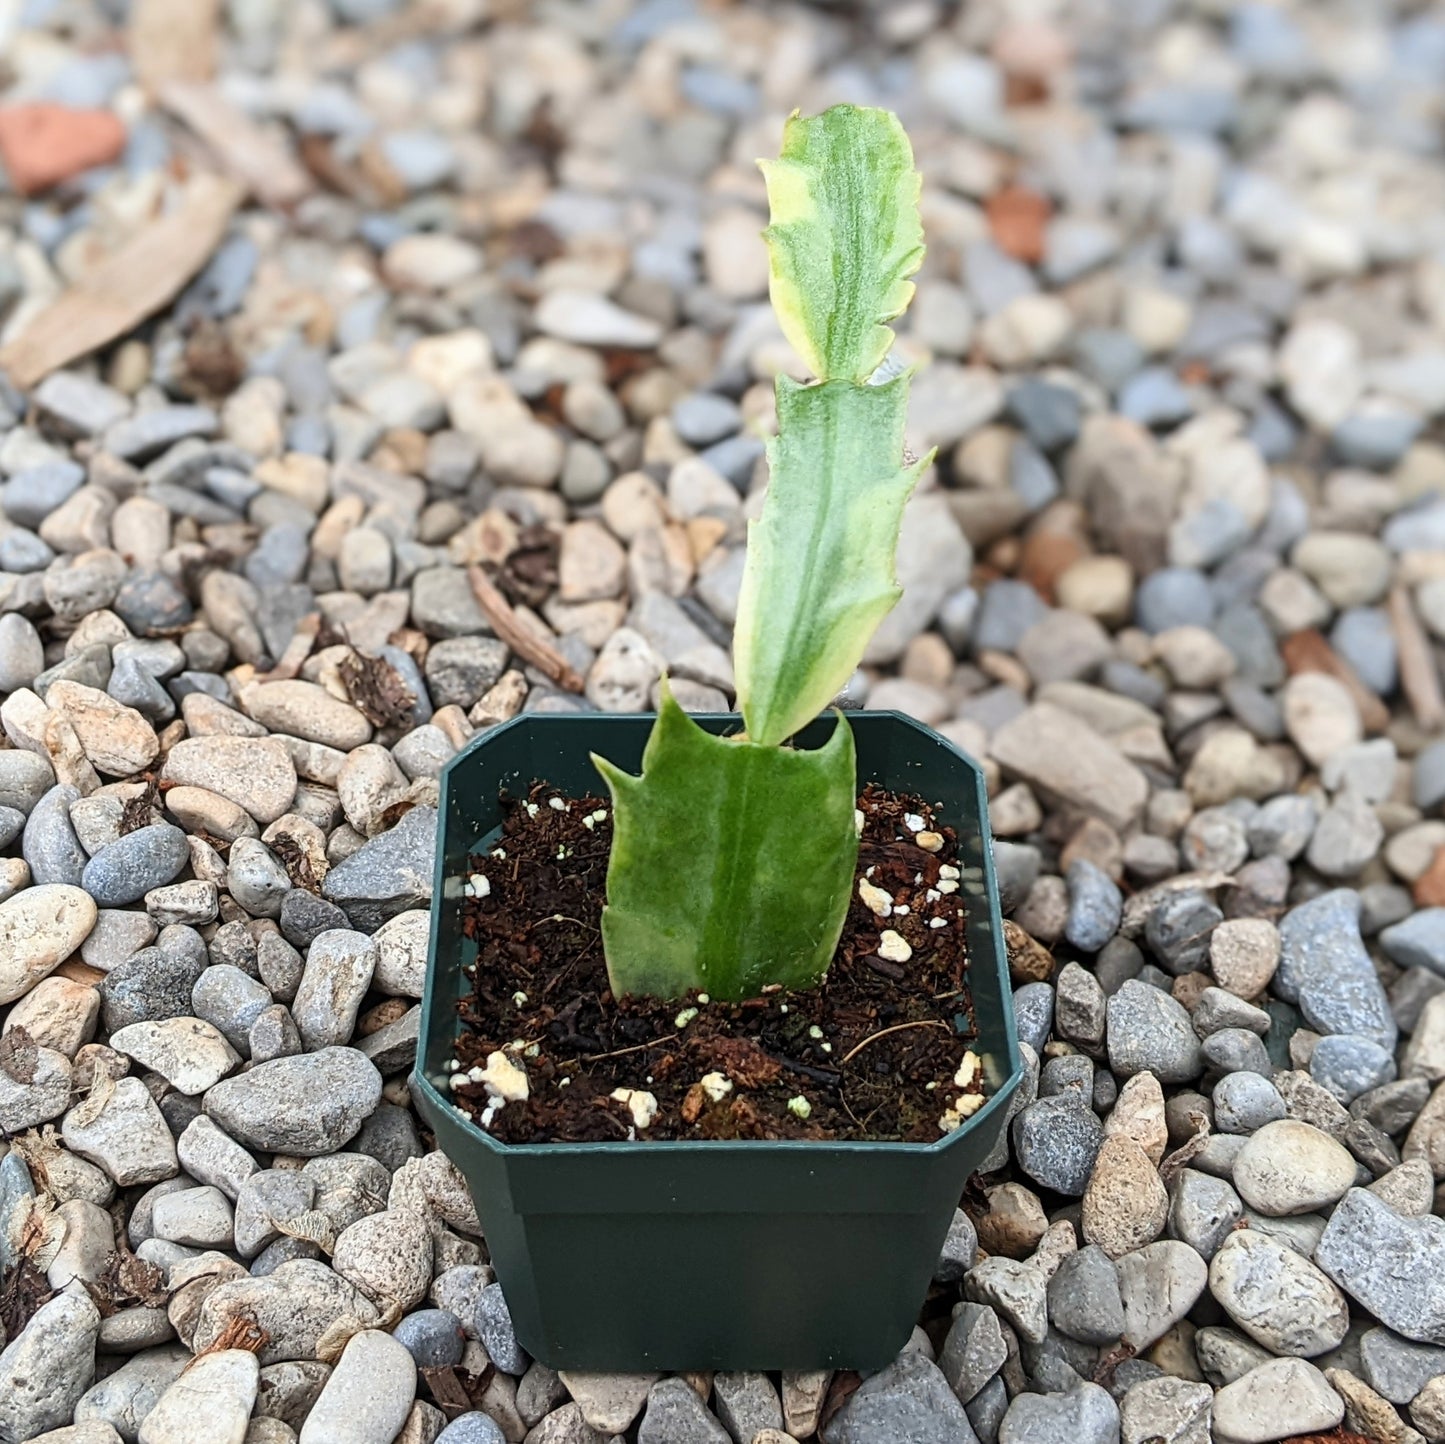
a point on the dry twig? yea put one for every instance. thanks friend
(521, 639)
(884, 1032)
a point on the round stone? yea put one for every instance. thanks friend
(1278, 1298)
(306, 1105)
(1291, 1167)
(1150, 1031)
(133, 865)
(433, 1337)
(388, 1256)
(1056, 1141)
(39, 928)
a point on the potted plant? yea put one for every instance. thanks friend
(740, 1145)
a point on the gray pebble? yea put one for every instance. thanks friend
(1095, 906)
(1048, 413)
(675, 1415)
(1364, 638)
(150, 985)
(1149, 1031)
(704, 418)
(1282, 827)
(150, 603)
(472, 1428)
(1006, 612)
(304, 917)
(1203, 1211)
(1034, 1013)
(136, 863)
(1244, 1102)
(231, 1001)
(1073, 1072)
(433, 1337)
(460, 669)
(143, 435)
(132, 685)
(494, 1329)
(50, 845)
(387, 875)
(1085, 1415)
(1325, 969)
(959, 1252)
(1173, 597)
(1056, 1141)
(1418, 941)
(1236, 1050)
(307, 1105)
(973, 1350)
(1084, 1300)
(1349, 1066)
(1396, 1367)
(910, 1399)
(22, 657)
(255, 878)
(1179, 927)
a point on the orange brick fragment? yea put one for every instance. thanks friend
(1016, 219)
(1046, 556)
(1429, 889)
(43, 144)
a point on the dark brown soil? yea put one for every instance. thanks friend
(873, 1050)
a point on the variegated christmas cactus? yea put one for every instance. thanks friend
(732, 858)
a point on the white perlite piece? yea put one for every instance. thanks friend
(893, 947)
(958, 1111)
(505, 1082)
(717, 1086)
(875, 899)
(641, 1104)
(929, 840)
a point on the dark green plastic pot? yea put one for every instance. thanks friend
(711, 1255)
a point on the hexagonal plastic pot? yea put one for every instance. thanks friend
(711, 1255)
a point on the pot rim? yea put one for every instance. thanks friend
(658, 1149)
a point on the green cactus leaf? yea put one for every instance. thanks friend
(845, 236)
(820, 571)
(732, 863)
